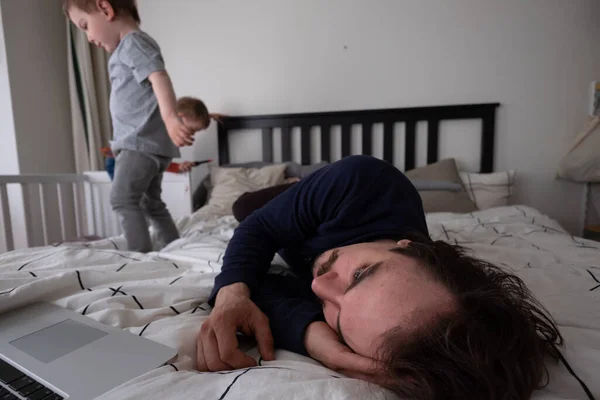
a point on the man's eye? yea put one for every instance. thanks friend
(358, 273)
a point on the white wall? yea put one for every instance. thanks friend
(35, 122)
(36, 45)
(536, 57)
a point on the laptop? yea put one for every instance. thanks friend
(50, 353)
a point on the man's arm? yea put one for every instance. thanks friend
(286, 221)
(334, 196)
(290, 306)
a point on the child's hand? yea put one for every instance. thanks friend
(180, 134)
(185, 166)
(217, 117)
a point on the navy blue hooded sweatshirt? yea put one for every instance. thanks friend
(357, 199)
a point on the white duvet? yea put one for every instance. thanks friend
(162, 296)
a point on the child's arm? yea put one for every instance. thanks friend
(163, 89)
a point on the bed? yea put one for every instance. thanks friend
(162, 295)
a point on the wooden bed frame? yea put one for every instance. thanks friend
(82, 200)
(366, 118)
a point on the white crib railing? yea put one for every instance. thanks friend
(17, 194)
(43, 209)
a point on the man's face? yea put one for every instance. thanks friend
(367, 290)
(97, 26)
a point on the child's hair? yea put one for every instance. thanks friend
(193, 108)
(120, 6)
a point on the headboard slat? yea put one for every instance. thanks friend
(388, 141)
(286, 143)
(410, 145)
(267, 148)
(433, 138)
(325, 142)
(305, 146)
(346, 132)
(367, 139)
(487, 141)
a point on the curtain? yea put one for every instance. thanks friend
(89, 91)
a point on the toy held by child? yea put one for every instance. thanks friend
(147, 129)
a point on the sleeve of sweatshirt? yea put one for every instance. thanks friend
(290, 307)
(297, 214)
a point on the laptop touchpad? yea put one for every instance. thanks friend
(57, 340)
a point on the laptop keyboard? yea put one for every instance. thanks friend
(14, 381)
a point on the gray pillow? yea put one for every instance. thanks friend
(426, 185)
(295, 170)
(443, 171)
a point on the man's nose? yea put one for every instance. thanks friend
(328, 287)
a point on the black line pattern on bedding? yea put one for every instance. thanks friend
(113, 252)
(121, 267)
(85, 309)
(175, 280)
(581, 245)
(174, 367)
(594, 278)
(41, 258)
(523, 211)
(113, 243)
(445, 231)
(175, 310)
(138, 303)
(32, 274)
(144, 328)
(501, 237)
(8, 291)
(81, 282)
(117, 290)
(198, 307)
(232, 383)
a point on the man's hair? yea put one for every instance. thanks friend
(491, 346)
(128, 7)
(193, 108)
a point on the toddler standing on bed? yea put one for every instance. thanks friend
(147, 129)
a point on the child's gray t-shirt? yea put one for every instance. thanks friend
(137, 123)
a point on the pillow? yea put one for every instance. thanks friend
(228, 184)
(488, 190)
(442, 200)
(425, 184)
(295, 170)
(202, 192)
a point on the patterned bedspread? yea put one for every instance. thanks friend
(162, 296)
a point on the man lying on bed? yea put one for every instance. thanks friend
(373, 296)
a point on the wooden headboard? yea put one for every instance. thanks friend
(366, 118)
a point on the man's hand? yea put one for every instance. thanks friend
(217, 342)
(322, 344)
(180, 134)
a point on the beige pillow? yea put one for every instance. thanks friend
(441, 200)
(228, 184)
